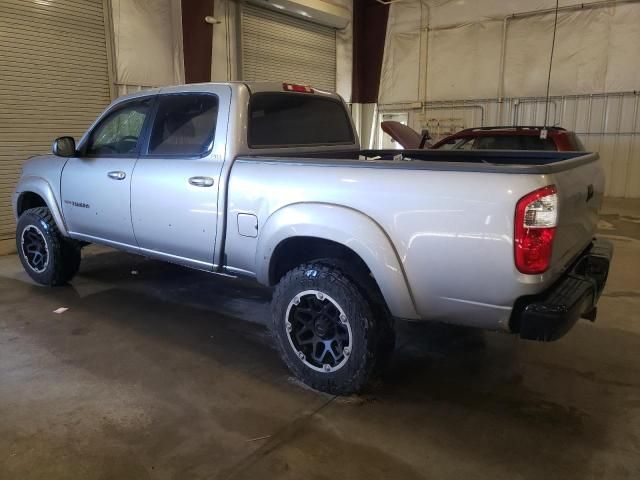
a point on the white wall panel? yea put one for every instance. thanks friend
(446, 12)
(224, 58)
(463, 62)
(596, 49)
(401, 66)
(147, 43)
(344, 54)
(623, 52)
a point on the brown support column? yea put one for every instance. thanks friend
(369, 32)
(196, 39)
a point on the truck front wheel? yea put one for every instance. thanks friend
(47, 256)
(325, 329)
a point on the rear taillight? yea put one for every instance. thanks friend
(535, 227)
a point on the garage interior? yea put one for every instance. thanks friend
(151, 370)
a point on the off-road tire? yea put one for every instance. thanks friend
(368, 288)
(63, 253)
(365, 327)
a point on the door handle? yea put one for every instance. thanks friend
(117, 175)
(201, 181)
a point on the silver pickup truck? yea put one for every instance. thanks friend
(268, 181)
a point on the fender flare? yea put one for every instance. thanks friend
(350, 228)
(39, 186)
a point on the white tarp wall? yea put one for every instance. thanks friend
(597, 49)
(147, 43)
(449, 54)
(224, 59)
(344, 53)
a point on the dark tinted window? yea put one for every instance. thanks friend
(530, 142)
(119, 132)
(286, 119)
(513, 142)
(184, 125)
(454, 143)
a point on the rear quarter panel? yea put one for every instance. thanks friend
(452, 231)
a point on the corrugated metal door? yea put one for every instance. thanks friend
(280, 47)
(54, 81)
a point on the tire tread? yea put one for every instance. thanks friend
(64, 253)
(358, 372)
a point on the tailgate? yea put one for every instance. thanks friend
(580, 190)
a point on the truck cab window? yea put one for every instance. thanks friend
(184, 125)
(289, 120)
(119, 132)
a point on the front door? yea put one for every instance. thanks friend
(174, 190)
(96, 184)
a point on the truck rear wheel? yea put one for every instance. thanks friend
(326, 330)
(47, 256)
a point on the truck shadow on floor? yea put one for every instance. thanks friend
(478, 357)
(239, 299)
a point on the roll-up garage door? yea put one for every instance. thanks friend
(280, 47)
(54, 81)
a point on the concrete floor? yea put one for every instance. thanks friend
(149, 374)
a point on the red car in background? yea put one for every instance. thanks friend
(511, 138)
(488, 138)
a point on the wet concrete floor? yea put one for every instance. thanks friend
(152, 373)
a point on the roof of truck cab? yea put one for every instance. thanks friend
(253, 87)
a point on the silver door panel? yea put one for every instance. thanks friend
(174, 201)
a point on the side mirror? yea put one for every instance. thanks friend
(64, 147)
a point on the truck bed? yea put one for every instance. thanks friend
(451, 228)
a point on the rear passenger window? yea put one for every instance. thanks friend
(185, 125)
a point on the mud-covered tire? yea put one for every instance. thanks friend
(62, 254)
(364, 342)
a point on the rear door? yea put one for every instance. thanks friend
(174, 191)
(96, 185)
